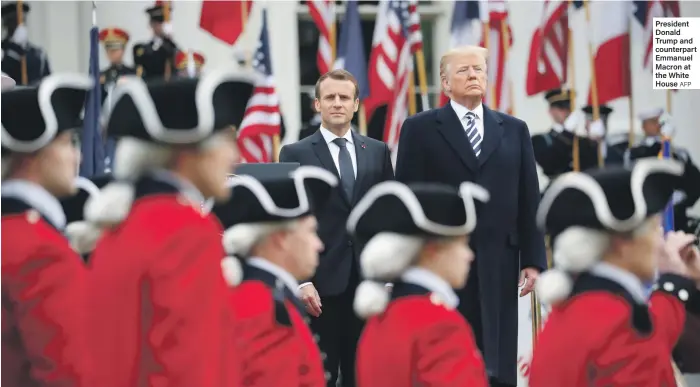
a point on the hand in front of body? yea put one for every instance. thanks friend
(528, 277)
(679, 256)
(311, 299)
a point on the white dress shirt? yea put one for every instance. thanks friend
(462, 114)
(328, 136)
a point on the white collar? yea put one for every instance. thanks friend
(280, 273)
(433, 282)
(38, 198)
(329, 136)
(462, 110)
(630, 282)
(185, 187)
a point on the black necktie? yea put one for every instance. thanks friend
(347, 173)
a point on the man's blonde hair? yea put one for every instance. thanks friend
(463, 50)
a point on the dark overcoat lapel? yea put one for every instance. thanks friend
(451, 129)
(493, 131)
(324, 156)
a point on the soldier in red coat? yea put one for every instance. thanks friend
(157, 298)
(43, 279)
(608, 242)
(271, 226)
(417, 238)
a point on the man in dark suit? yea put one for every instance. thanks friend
(467, 141)
(359, 162)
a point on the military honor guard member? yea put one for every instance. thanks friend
(608, 242)
(81, 234)
(158, 299)
(272, 228)
(417, 239)
(156, 58)
(43, 279)
(189, 63)
(554, 149)
(115, 41)
(688, 191)
(600, 141)
(16, 46)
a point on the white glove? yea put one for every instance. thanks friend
(20, 36)
(168, 29)
(596, 129)
(668, 129)
(573, 121)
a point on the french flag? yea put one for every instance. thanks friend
(610, 38)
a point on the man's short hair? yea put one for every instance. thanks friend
(477, 50)
(338, 75)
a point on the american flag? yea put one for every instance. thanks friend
(549, 50)
(323, 14)
(263, 118)
(397, 35)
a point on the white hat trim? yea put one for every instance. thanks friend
(137, 89)
(7, 82)
(46, 89)
(299, 175)
(586, 184)
(468, 191)
(387, 255)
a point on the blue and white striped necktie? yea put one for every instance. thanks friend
(472, 133)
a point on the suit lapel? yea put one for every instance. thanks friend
(493, 131)
(452, 130)
(324, 156)
(362, 164)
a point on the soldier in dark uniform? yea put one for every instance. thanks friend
(189, 63)
(15, 46)
(613, 147)
(114, 40)
(156, 58)
(553, 150)
(688, 191)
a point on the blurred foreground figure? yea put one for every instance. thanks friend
(157, 297)
(43, 279)
(606, 228)
(417, 238)
(271, 227)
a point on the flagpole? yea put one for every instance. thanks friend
(487, 43)
(630, 135)
(668, 100)
(23, 58)
(571, 60)
(166, 19)
(594, 82)
(422, 79)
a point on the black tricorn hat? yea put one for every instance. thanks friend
(73, 206)
(416, 210)
(615, 199)
(271, 198)
(560, 98)
(33, 116)
(180, 111)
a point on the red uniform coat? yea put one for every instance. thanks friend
(157, 300)
(601, 337)
(418, 341)
(274, 341)
(43, 288)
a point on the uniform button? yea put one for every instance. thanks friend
(327, 375)
(323, 356)
(33, 216)
(307, 320)
(316, 338)
(668, 286)
(683, 295)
